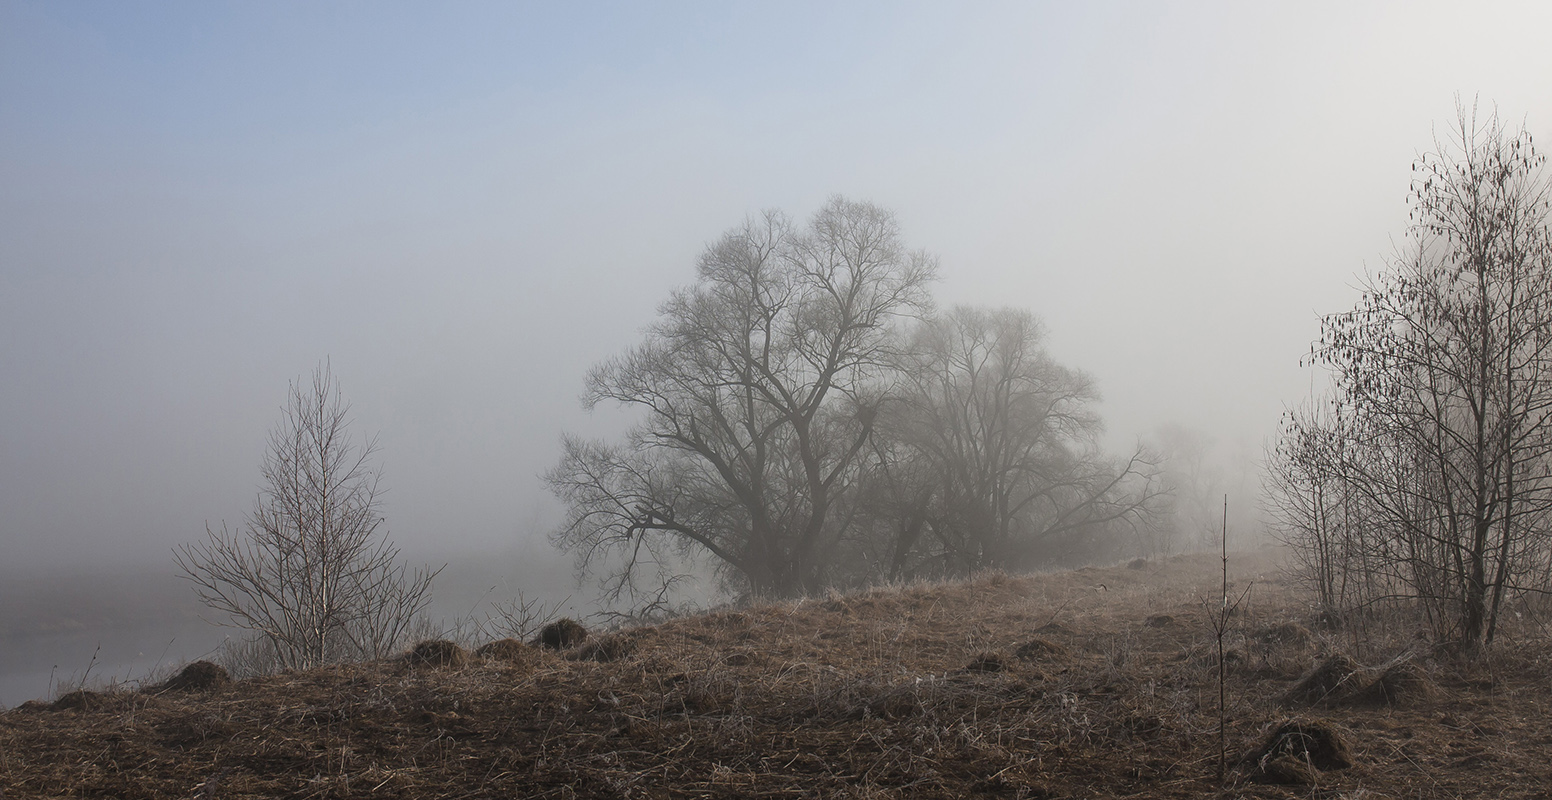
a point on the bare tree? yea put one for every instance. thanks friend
(1009, 438)
(1319, 513)
(1439, 433)
(312, 572)
(757, 388)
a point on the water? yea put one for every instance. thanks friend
(67, 627)
(137, 624)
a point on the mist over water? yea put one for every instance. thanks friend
(138, 623)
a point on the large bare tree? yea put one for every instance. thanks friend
(757, 389)
(312, 573)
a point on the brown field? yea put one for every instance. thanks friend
(1093, 683)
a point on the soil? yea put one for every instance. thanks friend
(927, 690)
(561, 634)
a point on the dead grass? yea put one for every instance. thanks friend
(511, 650)
(1004, 686)
(437, 653)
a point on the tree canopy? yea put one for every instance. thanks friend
(792, 387)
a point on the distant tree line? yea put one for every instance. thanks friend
(807, 419)
(1425, 475)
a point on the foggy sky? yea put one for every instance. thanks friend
(464, 207)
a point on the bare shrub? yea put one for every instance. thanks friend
(520, 617)
(312, 573)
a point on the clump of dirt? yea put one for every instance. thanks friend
(1298, 750)
(1402, 683)
(509, 650)
(605, 649)
(1328, 682)
(1036, 649)
(437, 653)
(80, 700)
(561, 634)
(200, 676)
(1286, 633)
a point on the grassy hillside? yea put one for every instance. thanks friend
(1098, 682)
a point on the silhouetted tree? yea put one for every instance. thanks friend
(758, 388)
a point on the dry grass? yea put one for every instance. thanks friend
(1058, 685)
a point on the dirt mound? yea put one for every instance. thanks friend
(511, 650)
(1329, 681)
(1298, 750)
(437, 653)
(605, 649)
(1287, 771)
(80, 700)
(561, 634)
(1036, 649)
(200, 676)
(1402, 683)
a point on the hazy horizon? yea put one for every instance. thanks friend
(462, 209)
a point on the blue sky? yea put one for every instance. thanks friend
(465, 205)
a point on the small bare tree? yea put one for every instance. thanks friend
(1427, 474)
(312, 573)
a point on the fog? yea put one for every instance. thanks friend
(462, 209)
